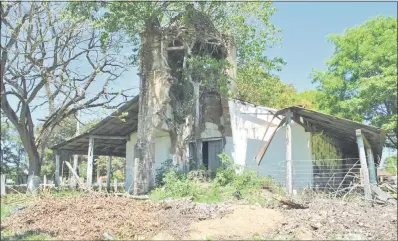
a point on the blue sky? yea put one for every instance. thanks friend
(305, 26)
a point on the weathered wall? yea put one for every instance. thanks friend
(249, 123)
(162, 153)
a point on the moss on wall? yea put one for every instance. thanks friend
(325, 150)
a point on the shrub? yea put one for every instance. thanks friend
(227, 172)
(248, 179)
(228, 179)
(164, 168)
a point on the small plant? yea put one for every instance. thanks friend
(229, 180)
(227, 172)
(164, 168)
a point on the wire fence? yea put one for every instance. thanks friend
(19, 183)
(322, 175)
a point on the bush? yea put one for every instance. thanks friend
(164, 168)
(227, 172)
(248, 179)
(228, 179)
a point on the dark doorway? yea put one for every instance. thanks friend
(211, 150)
(205, 153)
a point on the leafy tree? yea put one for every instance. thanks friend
(257, 86)
(360, 82)
(43, 53)
(13, 156)
(392, 165)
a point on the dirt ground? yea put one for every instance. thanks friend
(88, 217)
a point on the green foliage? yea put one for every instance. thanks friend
(392, 165)
(210, 72)
(259, 87)
(227, 181)
(360, 82)
(248, 23)
(164, 168)
(13, 156)
(227, 173)
(83, 169)
(7, 235)
(176, 185)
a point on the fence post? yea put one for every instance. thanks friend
(100, 184)
(135, 191)
(364, 165)
(2, 185)
(90, 159)
(115, 185)
(108, 177)
(371, 163)
(289, 182)
(57, 180)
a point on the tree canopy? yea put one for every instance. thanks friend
(50, 61)
(360, 82)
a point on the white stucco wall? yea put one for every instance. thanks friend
(162, 153)
(249, 123)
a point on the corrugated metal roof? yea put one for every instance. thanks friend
(110, 126)
(339, 128)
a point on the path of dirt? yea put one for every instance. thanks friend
(243, 223)
(89, 217)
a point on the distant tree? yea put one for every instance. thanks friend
(51, 60)
(13, 156)
(360, 82)
(392, 164)
(257, 86)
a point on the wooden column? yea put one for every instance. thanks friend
(135, 171)
(76, 157)
(90, 159)
(57, 179)
(2, 185)
(289, 181)
(75, 164)
(371, 163)
(108, 173)
(364, 165)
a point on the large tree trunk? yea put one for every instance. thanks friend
(34, 159)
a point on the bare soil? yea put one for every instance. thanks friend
(88, 217)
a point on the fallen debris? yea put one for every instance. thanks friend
(17, 209)
(108, 236)
(122, 218)
(290, 203)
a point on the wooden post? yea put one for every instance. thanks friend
(76, 157)
(62, 172)
(2, 185)
(100, 184)
(90, 159)
(371, 163)
(135, 186)
(75, 164)
(115, 185)
(57, 180)
(289, 182)
(108, 174)
(364, 165)
(44, 181)
(97, 162)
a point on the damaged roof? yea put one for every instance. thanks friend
(111, 126)
(339, 128)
